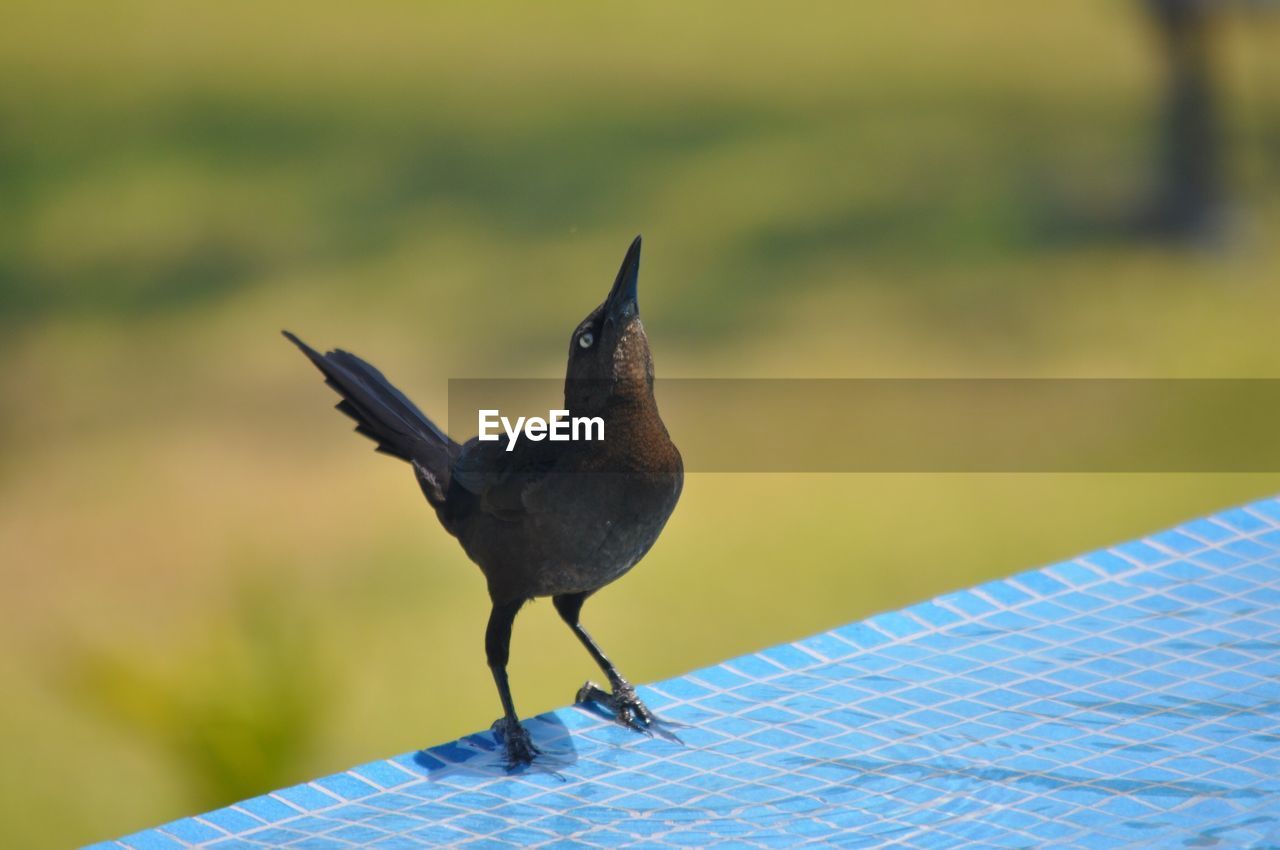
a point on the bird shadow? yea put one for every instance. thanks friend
(483, 755)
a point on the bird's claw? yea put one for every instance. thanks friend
(623, 702)
(516, 741)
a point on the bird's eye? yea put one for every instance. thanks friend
(586, 340)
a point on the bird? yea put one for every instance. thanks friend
(559, 519)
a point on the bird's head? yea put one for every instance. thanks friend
(609, 359)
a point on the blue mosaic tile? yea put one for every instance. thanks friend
(232, 820)
(1122, 699)
(191, 831)
(306, 797)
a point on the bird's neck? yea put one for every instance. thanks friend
(634, 419)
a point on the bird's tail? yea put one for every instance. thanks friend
(383, 414)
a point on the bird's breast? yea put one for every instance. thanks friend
(618, 518)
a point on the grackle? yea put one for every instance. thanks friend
(558, 519)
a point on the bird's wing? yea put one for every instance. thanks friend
(503, 480)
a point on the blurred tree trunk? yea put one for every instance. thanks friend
(1191, 194)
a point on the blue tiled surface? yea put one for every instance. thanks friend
(1128, 698)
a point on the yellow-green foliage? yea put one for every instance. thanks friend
(211, 588)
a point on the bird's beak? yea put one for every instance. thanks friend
(621, 303)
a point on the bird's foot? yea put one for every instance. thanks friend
(626, 706)
(515, 739)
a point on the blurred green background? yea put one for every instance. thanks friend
(211, 588)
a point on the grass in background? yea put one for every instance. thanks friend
(213, 589)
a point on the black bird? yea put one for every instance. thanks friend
(558, 519)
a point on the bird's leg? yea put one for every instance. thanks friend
(497, 646)
(624, 703)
